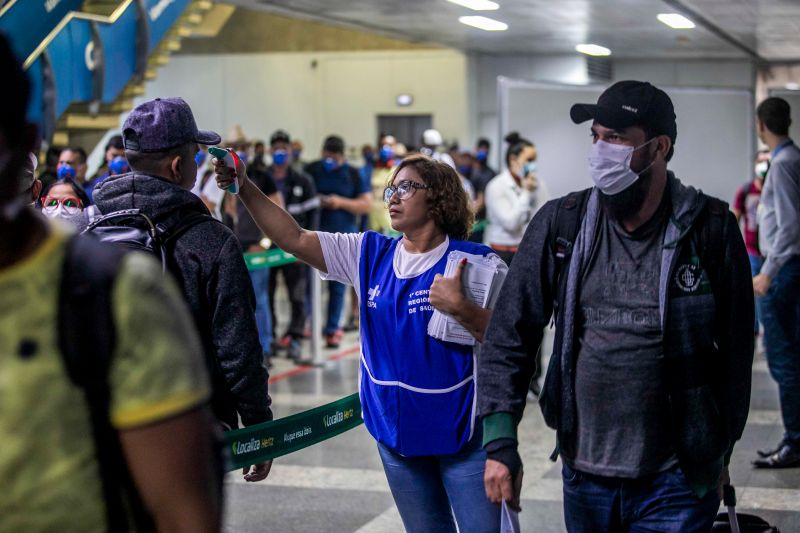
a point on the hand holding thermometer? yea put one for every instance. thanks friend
(231, 161)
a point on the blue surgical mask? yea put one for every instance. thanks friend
(528, 168)
(329, 164)
(119, 165)
(386, 153)
(200, 157)
(242, 155)
(464, 170)
(280, 157)
(296, 154)
(66, 172)
(482, 155)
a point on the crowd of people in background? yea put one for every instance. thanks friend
(335, 194)
(166, 360)
(327, 193)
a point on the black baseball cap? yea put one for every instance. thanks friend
(280, 136)
(162, 124)
(630, 103)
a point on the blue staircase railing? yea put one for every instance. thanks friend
(74, 57)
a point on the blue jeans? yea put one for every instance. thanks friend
(780, 314)
(756, 261)
(660, 502)
(260, 280)
(429, 491)
(335, 305)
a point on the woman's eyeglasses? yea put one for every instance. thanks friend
(70, 204)
(404, 190)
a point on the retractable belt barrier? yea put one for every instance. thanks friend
(262, 442)
(268, 259)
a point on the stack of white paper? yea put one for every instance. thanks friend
(482, 279)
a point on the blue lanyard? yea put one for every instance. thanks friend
(780, 147)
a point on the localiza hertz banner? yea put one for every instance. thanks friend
(259, 443)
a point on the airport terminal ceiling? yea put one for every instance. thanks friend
(765, 30)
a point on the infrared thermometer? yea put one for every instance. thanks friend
(230, 159)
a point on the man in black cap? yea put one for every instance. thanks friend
(648, 386)
(161, 140)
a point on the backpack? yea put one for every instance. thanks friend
(86, 347)
(137, 231)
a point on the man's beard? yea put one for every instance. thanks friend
(627, 203)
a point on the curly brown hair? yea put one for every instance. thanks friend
(448, 202)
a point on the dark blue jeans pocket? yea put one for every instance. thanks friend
(569, 474)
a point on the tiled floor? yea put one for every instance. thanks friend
(338, 485)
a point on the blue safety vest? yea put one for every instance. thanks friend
(417, 392)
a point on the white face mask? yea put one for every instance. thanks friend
(761, 169)
(610, 166)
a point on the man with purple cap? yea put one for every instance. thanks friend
(161, 140)
(647, 281)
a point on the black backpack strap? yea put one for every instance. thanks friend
(712, 236)
(87, 341)
(176, 225)
(569, 214)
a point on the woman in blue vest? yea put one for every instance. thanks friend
(417, 392)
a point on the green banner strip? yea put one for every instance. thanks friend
(259, 443)
(270, 258)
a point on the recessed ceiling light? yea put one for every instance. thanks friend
(484, 23)
(593, 50)
(477, 5)
(676, 21)
(792, 86)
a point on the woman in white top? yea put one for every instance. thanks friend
(417, 392)
(513, 197)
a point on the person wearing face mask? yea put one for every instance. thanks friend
(648, 284)
(252, 241)
(778, 282)
(42, 265)
(161, 141)
(745, 209)
(72, 165)
(342, 198)
(297, 154)
(300, 199)
(66, 200)
(417, 392)
(480, 176)
(259, 150)
(114, 163)
(513, 197)
(384, 164)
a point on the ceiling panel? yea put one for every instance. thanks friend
(768, 28)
